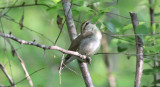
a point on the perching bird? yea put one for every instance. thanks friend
(87, 43)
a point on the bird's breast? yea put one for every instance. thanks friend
(90, 45)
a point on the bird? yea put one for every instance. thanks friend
(87, 43)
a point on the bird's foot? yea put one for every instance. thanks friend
(88, 60)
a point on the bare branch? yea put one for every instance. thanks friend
(22, 63)
(61, 70)
(81, 57)
(17, 6)
(111, 78)
(139, 47)
(151, 9)
(73, 34)
(132, 35)
(7, 75)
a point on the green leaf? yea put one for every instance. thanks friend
(97, 17)
(156, 82)
(110, 27)
(127, 27)
(54, 8)
(78, 2)
(83, 8)
(142, 29)
(61, 12)
(147, 61)
(122, 46)
(150, 71)
(154, 49)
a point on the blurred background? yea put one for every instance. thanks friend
(111, 16)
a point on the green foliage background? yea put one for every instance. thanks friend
(43, 19)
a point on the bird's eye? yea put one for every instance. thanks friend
(87, 23)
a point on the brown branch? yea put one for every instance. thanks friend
(22, 63)
(81, 57)
(139, 47)
(111, 78)
(73, 34)
(7, 75)
(117, 35)
(61, 70)
(130, 54)
(151, 9)
(17, 6)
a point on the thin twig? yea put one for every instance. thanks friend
(151, 9)
(111, 78)
(7, 75)
(26, 6)
(133, 35)
(25, 27)
(81, 57)
(29, 75)
(61, 70)
(22, 63)
(59, 33)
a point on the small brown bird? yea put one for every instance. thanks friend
(87, 43)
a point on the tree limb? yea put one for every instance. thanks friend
(14, 52)
(73, 34)
(139, 48)
(81, 57)
(7, 75)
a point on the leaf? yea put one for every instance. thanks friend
(127, 27)
(147, 61)
(52, 8)
(154, 49)
(142, 29)
(122, 46)
(97, 17)
(56, 1)
(150, 71)
(82, 8)
(59, 22)
(110, 27)
(156, 82)
(78, 2)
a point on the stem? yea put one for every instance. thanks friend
(73, 34)
(139, 52)
(153, 32)
(111, 78)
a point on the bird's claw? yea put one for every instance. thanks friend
(88, 60)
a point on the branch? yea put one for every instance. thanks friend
(7, 75)
(111, 78)
(139, 47)
(25, 6)
(151, 9)
(22, 63)
(81, 57)
(73, 34)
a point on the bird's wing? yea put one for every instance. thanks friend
(75, 44)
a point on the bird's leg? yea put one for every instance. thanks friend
(88, 60)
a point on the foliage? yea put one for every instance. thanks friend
(112, 17)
